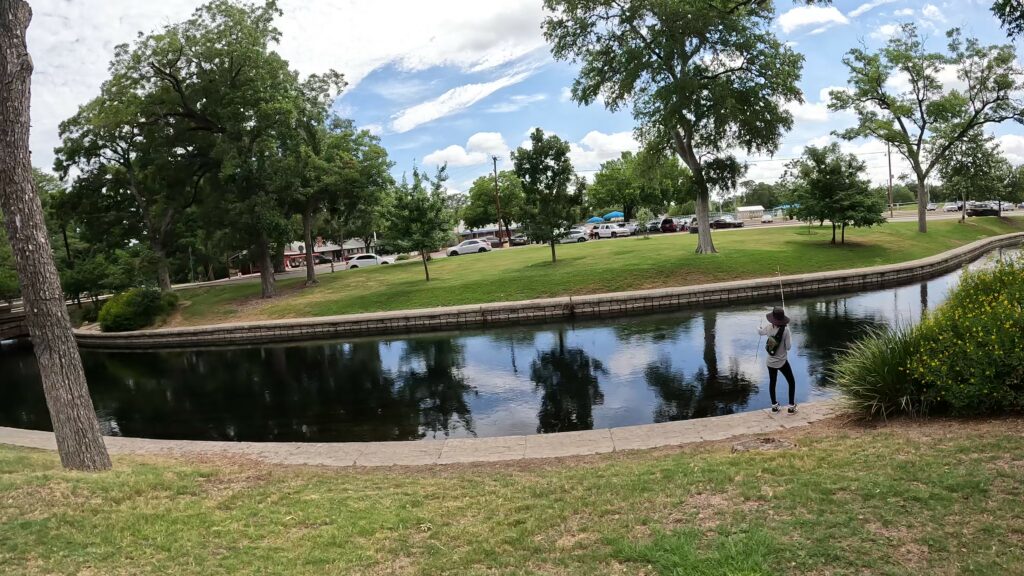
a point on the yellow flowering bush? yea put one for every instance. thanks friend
(970, 352)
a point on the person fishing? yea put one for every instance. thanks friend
(778, 346)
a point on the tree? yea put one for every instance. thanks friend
(702, 78)
(829, 185)
(975, 168)
(642, 180)
(481, 208)
(420, 219)
(1011, 15)
(760, 194)
(60, 367)
(926, 120)
(549, 207)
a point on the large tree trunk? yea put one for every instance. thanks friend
(163, 273)
(426, 270)
(553, 258)
(267, 282)
(307, 233)
(684, 148)
(833, 232)
(60, 366)
(922, 206)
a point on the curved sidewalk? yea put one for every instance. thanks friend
(543, 310)
(462, 450)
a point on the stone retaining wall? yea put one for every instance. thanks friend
(544, 310)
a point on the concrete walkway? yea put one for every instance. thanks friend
(462, 450)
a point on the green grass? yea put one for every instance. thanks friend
(589, 268)
(913, 498)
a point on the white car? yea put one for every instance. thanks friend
(951, 207)
(631, 226)
(611, 230)
(367, 260)
(470, 247)
(767, 218)
(574, 235)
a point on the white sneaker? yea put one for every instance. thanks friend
(791, 409)
(776, 408)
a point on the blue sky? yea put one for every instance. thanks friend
(460, 80)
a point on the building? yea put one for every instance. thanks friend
(750, 212)
(295, 252)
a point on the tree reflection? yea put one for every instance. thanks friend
(567, 378)
(709, 392)
(827, 328)
(437, 389)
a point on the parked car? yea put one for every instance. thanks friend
(611, 230)
(951, 207)
(366, 260)
(982, 209)
(767, 218)
(932, 207)
(573, 236)
(673, 225)
(726, 221)
(631, 226)
(473, 246)
(519, 240)
(654, 226)
(1008, 206)
(494, 241)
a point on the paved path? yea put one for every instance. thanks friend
(462, 450)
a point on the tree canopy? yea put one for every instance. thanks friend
(899, 97)
(640, 180)
(420, 219)
(551, 196)
(481, 206)
(702, 78)
(1011, 15)
(829, 185)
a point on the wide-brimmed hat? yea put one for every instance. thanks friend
(777, 317)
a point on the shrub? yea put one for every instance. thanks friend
(91, 312)
(970, 356)
(137, 308)
(873, 375)
(967, 358)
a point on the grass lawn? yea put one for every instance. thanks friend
(930, 497)
(588, 268)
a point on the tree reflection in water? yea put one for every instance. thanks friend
(826, 329)
(438, 388)
(709, 392)
(567, 379)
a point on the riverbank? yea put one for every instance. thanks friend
(912, 497)
(590, 268)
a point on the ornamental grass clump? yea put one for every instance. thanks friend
(873, 376)
(970, 355)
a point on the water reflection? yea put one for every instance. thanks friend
(522, 380)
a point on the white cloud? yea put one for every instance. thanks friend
(804, 16)
(825, 94)
(452, 101)
(947, 75)
(375, 129)
(565, 95)
(72, 42)
(868, 6)
(1012, 146)
(517, 102)
(597, 147)
(809, 111)
(933, 13)
(479, 149)
(904, 12)
(885, 31)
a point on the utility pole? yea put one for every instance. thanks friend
(888, 151)
(497, 201)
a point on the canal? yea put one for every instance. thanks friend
(523, 380)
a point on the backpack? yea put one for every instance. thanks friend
(772, 344)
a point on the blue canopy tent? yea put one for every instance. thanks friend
(595, 220)
(612, 215)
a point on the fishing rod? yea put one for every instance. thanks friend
(782, 294)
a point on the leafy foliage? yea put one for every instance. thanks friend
(546, 173)
(1011, 15)
(420, 220)
(481, 208)
(135, 309)
(829, 185)
(702, 78)
(642, 180)
(926, 120)
(872, 374)
(975, 169)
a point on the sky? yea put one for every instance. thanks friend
(460, 81)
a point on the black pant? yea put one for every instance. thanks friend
(773, 376)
